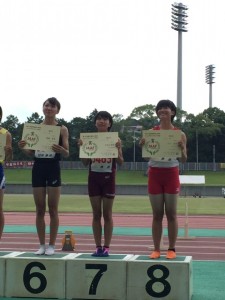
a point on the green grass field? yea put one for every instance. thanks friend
(123, 177)
(76, 176)
(123, 204)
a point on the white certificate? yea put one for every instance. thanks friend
(40, 137)
(161, 144)
(99, 145)
(2, 146)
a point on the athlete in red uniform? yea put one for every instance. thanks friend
(164, 184)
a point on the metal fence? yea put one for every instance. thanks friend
(143, 166)
(129, 166)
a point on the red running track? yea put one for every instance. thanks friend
(200, 248)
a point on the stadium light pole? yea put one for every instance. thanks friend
(209, 79)
(135, 129)
(179, 23)
(196, 132)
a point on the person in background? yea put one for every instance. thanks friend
(46, 177)
(101, 187)
(8, 155)
(164, 183)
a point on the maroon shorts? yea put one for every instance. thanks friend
(163, 180)
(101, 184)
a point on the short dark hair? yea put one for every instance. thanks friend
(54, 102)
(105, 115)
(167, 103)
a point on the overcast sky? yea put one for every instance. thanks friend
(110, 55)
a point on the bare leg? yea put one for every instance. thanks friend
(39, 194)
(108, 220)
(171, 214)
(53, 203)
(2, 219)
(96, 221)
(157, 202)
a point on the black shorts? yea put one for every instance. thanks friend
(46, 174)
(2, 177)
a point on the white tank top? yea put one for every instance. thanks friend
(163, 164)
(169, 163)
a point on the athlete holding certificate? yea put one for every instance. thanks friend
(164, 184)
(7, 154)
(46, 177)
(101, 187)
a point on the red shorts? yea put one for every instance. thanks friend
(163, 180)
(101, 184)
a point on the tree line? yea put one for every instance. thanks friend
(205, 132)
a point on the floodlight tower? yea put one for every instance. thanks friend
(179, 23)
(209, 79)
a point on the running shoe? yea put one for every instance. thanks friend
(171, 254)
(105, 252)
(98, 252)
(50, 250)
(41, 250)
(155, 255)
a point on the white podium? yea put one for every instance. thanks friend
(160, 278)
(97, 278)
(2, 272)
(33, 276)
(81, 276)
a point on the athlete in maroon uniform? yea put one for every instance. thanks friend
(101, 187)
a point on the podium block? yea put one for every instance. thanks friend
(2, 272)
(97, 277)
(2, 276)
(3, 256)
(29, 275)
(159, 279)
